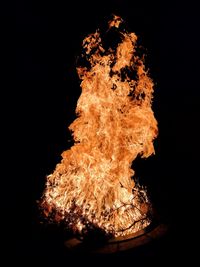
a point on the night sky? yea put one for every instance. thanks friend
(47, 42)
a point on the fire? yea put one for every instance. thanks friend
(93, 187)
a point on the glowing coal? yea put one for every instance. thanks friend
(93, 187)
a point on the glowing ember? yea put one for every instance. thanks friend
(93, 186)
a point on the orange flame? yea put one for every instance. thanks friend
(93, 186)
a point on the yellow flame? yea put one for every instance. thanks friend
(93, 186)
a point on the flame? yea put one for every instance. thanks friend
(93, 187)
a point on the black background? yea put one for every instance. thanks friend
(47, 42)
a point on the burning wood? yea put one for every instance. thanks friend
(93, 187)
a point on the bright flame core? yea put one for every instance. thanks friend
(93, 186)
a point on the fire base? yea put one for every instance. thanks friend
(115, 245)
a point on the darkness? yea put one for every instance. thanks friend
(47, 42)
